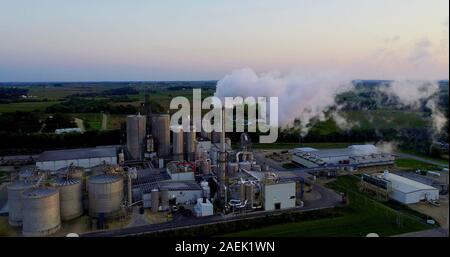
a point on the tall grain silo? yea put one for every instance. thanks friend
(177, 143)
(105, 194)
(136, 130)
(250, 193)
(161, 134)
(42, 215)
(15, 202)
(190, 140)
(70, 197)
(164, 199)
(154, 200)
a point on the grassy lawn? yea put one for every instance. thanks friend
(364, 215)
(444, 160)
(25, 106)
(411, 164)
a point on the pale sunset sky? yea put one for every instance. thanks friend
(124, 40)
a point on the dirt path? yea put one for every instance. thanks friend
(104, 121)
(80, 124)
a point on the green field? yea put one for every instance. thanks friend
(25, 106)
(364, 215)
(411, 164)
(387, 119)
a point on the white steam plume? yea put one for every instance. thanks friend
(301, 96)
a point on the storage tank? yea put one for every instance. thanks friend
(249, 193)
(165, 199)
(205, 167)
(190, 138)
(105, 194)
(42, 215)
(242, 192)
(155, 200)
(232, 169)
(70, 197)
(161, 134)
(177, 143)
(136, 131)
(15, 202)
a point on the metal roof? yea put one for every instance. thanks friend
(104, 178)
(170, 186)
(39, 192)
(405, 185)
(73, 154)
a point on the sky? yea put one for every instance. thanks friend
(123, 40)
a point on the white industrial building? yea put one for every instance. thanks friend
(361, 155)
(203, 208)
(84, 157)
(184, 192)
(408, 191)
(279, 196)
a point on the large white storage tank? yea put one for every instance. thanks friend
(105, 194)
(15, 191)
(161, 134)
(70, 197)
(42, 215)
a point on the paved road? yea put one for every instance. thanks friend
(418, 158)
(439, 232)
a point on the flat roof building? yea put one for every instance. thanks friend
(408, 191)
(83, 157)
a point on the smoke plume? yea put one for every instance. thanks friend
(304, 97)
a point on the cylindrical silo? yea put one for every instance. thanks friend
(165, 199)
(136, 131)
(177, 143)
(105, 194)
(249, 193)
(15, 202)
(205, 167)
(70, 197)
(190, 138)
(42, 215)
(242, 192)
(232, 169)
(161, 134)
(155, 200)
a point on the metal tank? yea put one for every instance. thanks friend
(155, 200)
(205, 167)
(136, 132)
(15, 191)
(190, 139)
(161, 134)
(165, 199)
(232, 169)
(178, 144)
(42, 215)
(250, 193)
(242, 192)
(105, 194)
(70, 197)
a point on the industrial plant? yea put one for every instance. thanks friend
(163, 169)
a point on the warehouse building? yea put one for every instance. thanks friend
(354, 155)
(408, 191)
(84, 157)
